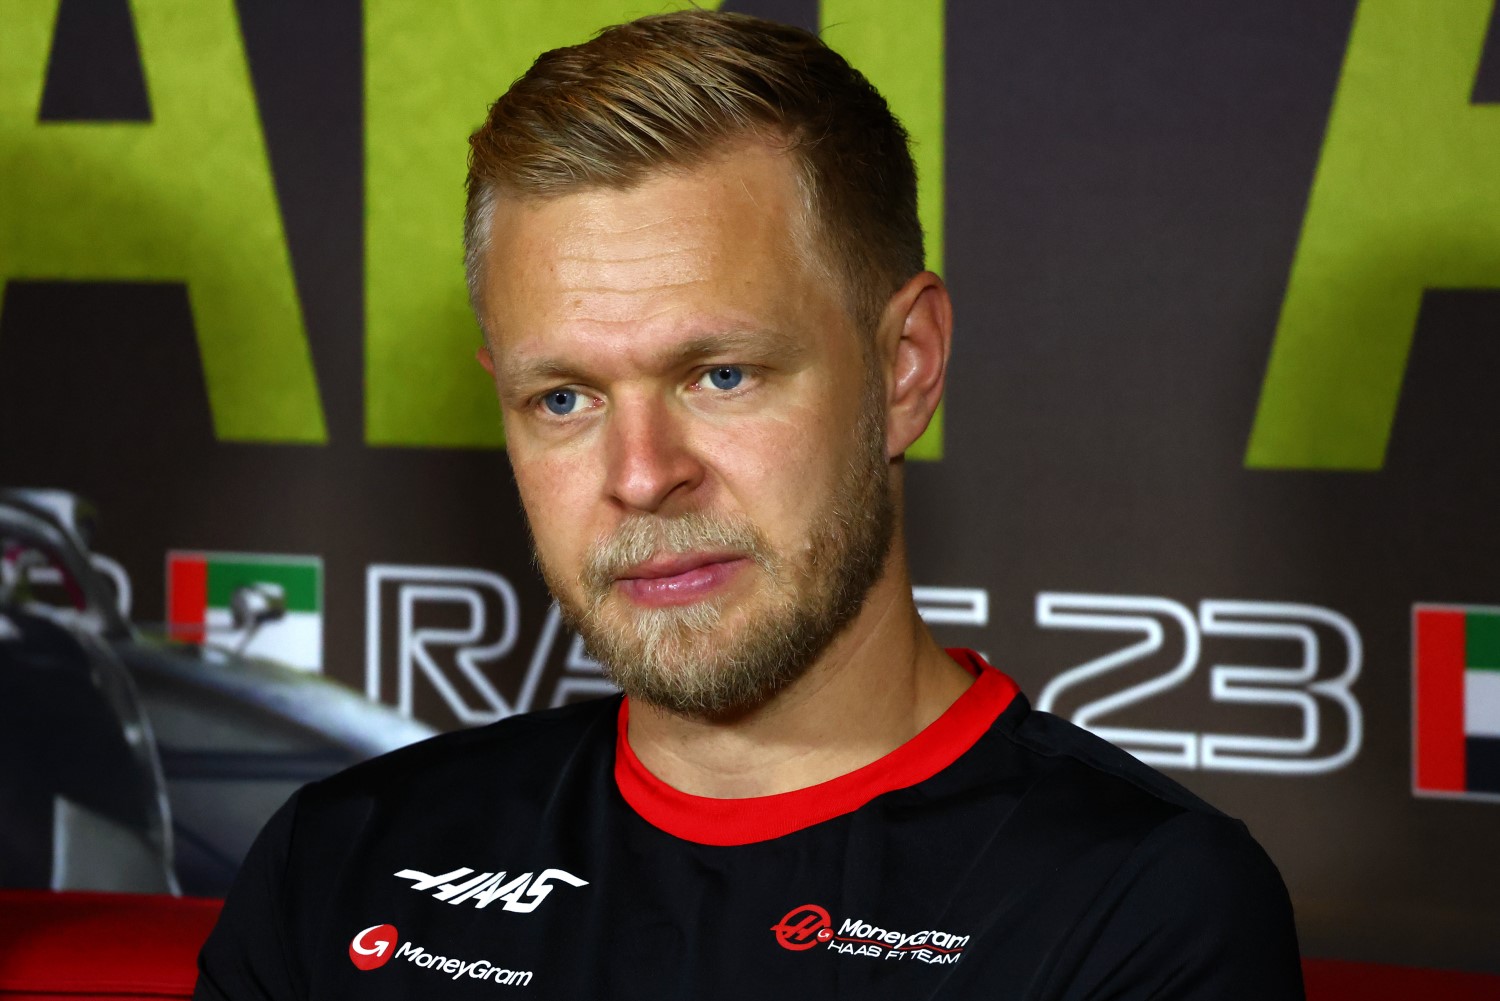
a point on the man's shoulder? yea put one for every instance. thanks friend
(1062, 747)
(1146, 873)
(463, 791)
(1067, 794)
(511, 755)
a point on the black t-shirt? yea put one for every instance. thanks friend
(1000, 853)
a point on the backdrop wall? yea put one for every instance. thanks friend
(1215, 474)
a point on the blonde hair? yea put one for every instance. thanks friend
(673, 91)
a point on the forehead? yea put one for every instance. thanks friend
(726, 241)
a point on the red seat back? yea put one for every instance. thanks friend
(109, 946)
(100, 946)
(1336, 980)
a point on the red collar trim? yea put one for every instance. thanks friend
(727, 822)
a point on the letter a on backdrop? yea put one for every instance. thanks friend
(186, 197)
(1406, 198)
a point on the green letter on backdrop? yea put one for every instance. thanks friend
(430, 71)
(186, 197)
(1405, 198)
(898, 45)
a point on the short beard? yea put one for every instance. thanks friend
(685, 659)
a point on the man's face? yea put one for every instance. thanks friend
(695, 428)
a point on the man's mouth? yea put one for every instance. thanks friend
(679, 579)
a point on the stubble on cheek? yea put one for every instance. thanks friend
(688, 658)
(719, 656)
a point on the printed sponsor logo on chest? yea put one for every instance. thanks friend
(810, 927)
(522, 892)
(379, 944)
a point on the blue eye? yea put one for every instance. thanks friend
(561, 401)
(726, 376)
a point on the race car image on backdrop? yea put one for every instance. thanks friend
(133, 761)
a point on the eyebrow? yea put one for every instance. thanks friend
(518, 374)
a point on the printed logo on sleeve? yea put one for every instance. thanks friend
(809, 926)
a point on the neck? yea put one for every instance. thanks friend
(877, 685)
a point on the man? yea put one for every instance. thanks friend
(693, 249)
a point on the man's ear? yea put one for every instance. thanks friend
(916, 337)
(483, 356)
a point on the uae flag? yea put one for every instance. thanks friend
(201, 589)
(1456, 690)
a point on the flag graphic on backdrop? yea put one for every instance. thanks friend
(1456, 700)
(201, 587)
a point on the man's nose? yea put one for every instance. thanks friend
(649, 461)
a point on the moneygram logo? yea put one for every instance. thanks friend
(379, 944)
(803, 928)
(373, 947)
(810, 926)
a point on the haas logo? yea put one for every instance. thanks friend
(373, 947)
(803, 928)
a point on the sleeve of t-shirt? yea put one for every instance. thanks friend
(247, 956)
(1198, 911)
